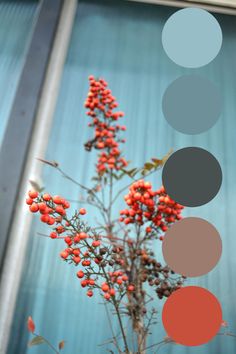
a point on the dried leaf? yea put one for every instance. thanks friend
(144, 172)
(157, 162)
(148, 166)
(61, 345)
(131, 172)
(161, 162)
(50, 163)
(30, 324)
(36, 341)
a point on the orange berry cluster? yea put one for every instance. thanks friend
(101, 104)
(52, 209)
(82, 247)
(154, 207)
(116, 283)
(168, 209)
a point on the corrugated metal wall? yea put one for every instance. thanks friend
(121, 42)
(16, 20)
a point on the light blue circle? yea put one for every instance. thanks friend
(192, 37)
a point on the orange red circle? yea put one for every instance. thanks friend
(192, 316)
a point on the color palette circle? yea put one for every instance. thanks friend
(192, 37)
(192, 247)
(192, 176)
(192, 316)
(191, 104)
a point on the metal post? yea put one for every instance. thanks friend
(37, 134)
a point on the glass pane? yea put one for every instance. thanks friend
(121, 41)
(16, 18)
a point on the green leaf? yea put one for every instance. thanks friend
(36, 341)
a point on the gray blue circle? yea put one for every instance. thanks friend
(191, 104)
(192, 37)
(192, 176)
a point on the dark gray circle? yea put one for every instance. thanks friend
(192, 176)
(191, 104)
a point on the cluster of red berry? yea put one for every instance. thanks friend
(116, 282)
(52, 209)
(82, 247)
(101, 104)
(147, 205)
(168, 210)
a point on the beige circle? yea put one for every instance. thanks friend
(192, 247)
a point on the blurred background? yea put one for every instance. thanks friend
(47, 52)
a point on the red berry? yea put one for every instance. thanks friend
(89, 293)
(96, 243)
(82, 211)
(76, 252)
(66, 204)
(44, 218)
(53, 235)
(112, 292)
(29, 201)
(33, 194)
(105, 287)
(64, 254)
(91, 282)
(57, 199)
(47, 197)
(107, 296)
(34, 208)
(60, 229)
(68, 240)
(83, 235)
(42, 206)
(51, 221)
(76, 238)
(86, 263)
(83, 283)
(60, 210)
(119, 281)
(80, 274)
(77, 260)
(130, 288)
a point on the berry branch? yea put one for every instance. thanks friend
(115, 256)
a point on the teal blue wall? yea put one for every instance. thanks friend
(16, 20)
(121, 41)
